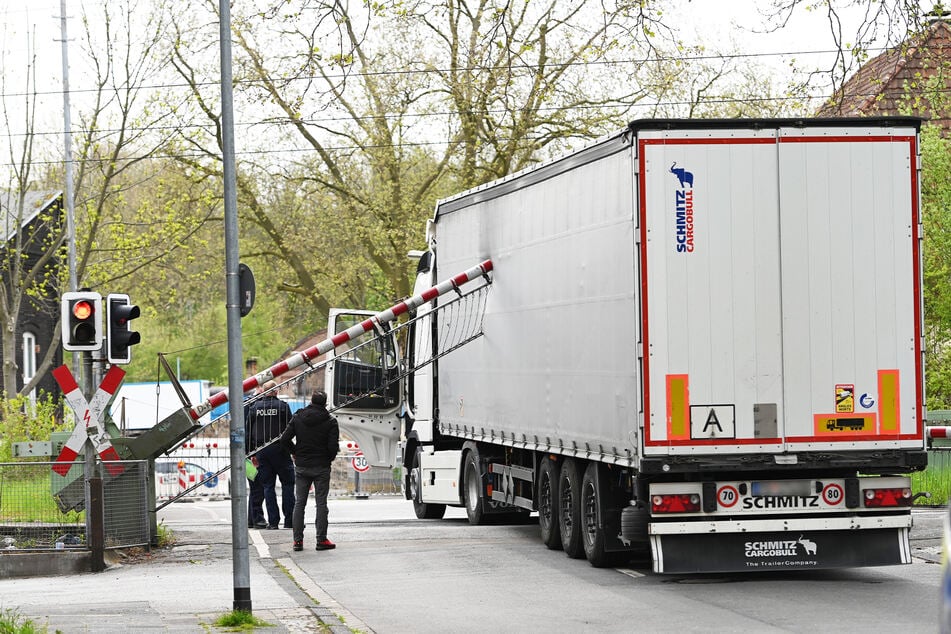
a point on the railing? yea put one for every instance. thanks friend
(31, 519)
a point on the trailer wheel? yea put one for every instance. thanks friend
(423, 511)
(548, 503)
(569, 509)
(475, 504)
(592, 535)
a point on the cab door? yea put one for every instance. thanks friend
(364, 372)
(363, 387)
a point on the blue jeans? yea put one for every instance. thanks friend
(319, 477)
(273, 463)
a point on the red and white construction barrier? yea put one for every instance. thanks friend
(388, 315)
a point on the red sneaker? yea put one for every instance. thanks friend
(326, 545)
(298, 545)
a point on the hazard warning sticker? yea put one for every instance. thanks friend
(844, 398)
(712, 421)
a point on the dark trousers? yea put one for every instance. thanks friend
(273, 463)
(255, 502)
(319, 477)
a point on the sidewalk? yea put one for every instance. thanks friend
(182, 589)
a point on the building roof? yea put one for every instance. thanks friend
(34, 203)
(902, 80)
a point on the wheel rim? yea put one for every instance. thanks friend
(589, 512)
(472, 488)
(414, 484)
(545, 501)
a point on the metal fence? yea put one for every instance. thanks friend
(41, 510)
(936, 479)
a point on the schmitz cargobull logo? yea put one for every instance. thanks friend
(780, 548)
(683, 210)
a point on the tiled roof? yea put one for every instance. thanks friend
(898, 81)
(34, 203)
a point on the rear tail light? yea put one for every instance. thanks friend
(887, 498)
(676, 503)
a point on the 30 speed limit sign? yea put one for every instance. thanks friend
(359, 463)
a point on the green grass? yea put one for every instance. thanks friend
(12, 623)
(29, 499)
(239, 620)
(166, 537)
(936, 479)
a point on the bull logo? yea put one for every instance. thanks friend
(685, 177)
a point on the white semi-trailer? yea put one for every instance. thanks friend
(703, 337)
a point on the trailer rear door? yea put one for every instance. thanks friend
(780, 285)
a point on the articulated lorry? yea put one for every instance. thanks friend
(703, 341)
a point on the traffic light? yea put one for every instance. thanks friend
(120, 337)
(81, 318)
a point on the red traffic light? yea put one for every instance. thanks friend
(82, 310)
(81, 319)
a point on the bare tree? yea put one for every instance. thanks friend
(858, 30)
(382, 108)
(33, 234)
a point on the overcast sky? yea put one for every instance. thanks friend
(718, 24)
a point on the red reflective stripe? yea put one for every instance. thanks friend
(110, 382)
(65, 461)
(65, 379)
(218, 399)
(339, 338)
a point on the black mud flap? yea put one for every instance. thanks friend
(806, 550)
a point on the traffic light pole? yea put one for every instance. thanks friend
(89, 452)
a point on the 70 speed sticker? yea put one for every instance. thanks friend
(727, 496)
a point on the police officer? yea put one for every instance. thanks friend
(266, 419)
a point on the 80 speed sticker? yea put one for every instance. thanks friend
(832, 494)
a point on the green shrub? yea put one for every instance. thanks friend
(21, 421)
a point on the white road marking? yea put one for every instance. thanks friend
(263, 550)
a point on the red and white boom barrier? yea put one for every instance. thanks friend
(937, 432)
(388, 315)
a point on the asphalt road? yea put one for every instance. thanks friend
(394, 573)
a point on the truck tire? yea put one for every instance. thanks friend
(592, 535)
(473, 490)
(548, 503)
(423, 511)
(569, 509)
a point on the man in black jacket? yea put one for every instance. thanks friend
(317, 442)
